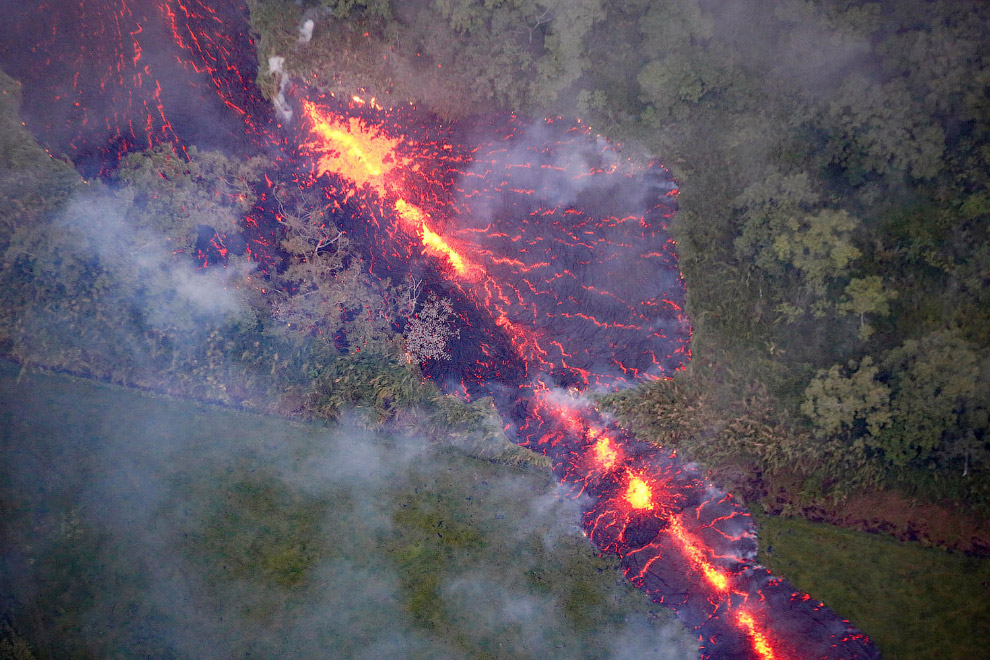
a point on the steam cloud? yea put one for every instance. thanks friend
(136, 257)
(276, 67)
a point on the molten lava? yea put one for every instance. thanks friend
(695, 553)
(108, 77)
(761, 645)
(351, 149)
(639, 495)
(364, 156)
(559, 253)
(605, 453)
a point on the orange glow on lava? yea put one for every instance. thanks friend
(414, 220)
(352, 149)
(606, 455)
(365, 156)
(761, 645)
(639, 494)
(690, 547)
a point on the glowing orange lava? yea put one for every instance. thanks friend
(366, 157)
(761, 644)
(692, 550)
(638, 494)
(606, 455)
(352, 149)
(414, 220)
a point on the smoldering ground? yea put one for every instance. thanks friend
(571, 235)
(143, 527)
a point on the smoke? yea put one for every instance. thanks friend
(806, 50)
(542, 158)
(306, 31)
(196, 532)
(571, 234)
(168, 286)
(644, 639)
(276, 67)
(557, 517)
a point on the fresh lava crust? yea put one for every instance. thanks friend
(552, 244)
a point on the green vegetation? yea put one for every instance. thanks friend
(832, 231)
(100, 279)
(135, 525)
(108, 496)
(915, 602)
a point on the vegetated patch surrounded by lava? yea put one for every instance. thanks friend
(551, 243)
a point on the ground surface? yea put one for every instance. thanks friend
(139, 525)
(136, 526)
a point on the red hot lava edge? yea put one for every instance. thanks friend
(553, 247)
(687, 544)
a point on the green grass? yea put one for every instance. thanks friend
(137, 526)
(134, 526)
(914, 602)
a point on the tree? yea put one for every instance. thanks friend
(848, 402)
(12, 645)
(176, 195)
(324, 290)
(344, 8)
(866, 295)
(429, 331)
(801, 247)
(877, 128)
(685, 66)
(940, 403)
(31, 180)
(566, 56)
(818, 245)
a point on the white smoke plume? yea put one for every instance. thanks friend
(306, 31)
(276, 67)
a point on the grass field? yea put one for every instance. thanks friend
(915, 602)
(134, 526)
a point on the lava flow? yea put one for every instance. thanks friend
(113, 76)
(556, 251)
(552, 245)
(557, 248)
